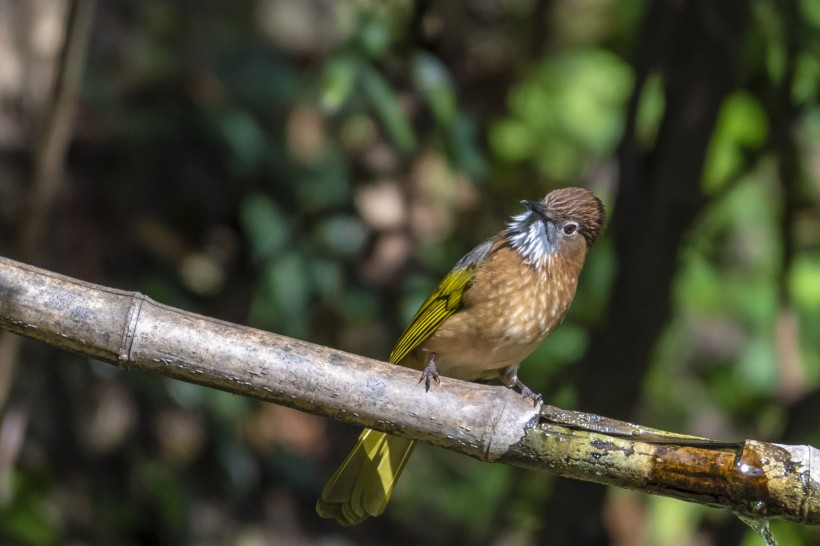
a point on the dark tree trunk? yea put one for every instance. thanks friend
(694, 45)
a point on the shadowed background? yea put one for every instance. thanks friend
(315, 167)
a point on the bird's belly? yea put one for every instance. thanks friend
(492, 333)
(476, 360)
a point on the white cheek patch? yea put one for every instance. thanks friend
(528, 236)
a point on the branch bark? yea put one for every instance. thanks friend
(129, 330)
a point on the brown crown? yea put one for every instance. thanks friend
(580, 205)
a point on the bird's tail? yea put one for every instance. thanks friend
(363, 483)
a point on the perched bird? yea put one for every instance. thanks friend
(490, 312)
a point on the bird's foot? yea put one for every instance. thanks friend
(526, 392)
(430, 373)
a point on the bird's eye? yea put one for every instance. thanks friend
(570, 228)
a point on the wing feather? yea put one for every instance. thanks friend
(446, 299)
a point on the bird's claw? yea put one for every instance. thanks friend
(526, 392)
(430, 373)
(536, 397)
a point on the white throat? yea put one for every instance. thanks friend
(529, 237)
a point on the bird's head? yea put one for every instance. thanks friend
(567, 220)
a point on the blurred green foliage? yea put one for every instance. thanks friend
(566, 112)
(314, 168)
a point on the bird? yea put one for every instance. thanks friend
(491, 311)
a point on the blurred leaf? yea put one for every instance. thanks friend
(806, 78)
(569, 107)
(242, 469)
(326, 277)
(810, 126)
(227, 407)
(286, 284)
(670, 519)
(770, 25)
(650, 110)
(803, 281)
(595, 284)
(260, 78)
(512, 140)
(564, 346)
(246, 142)
(810, 12)
(26, 520)
(338, 81)
(185, 394)
(591, 108)
(564, 160)
(359, 305)
(374, 36)
(699, 285)
(342, 235)
(436, 85)
(167, 490)
(741, 126)
(757, 368)
(325, 184)
(389, 109)
(467, 491)
(466, 151)
(265, 225)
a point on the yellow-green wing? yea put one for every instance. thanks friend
(446, 299)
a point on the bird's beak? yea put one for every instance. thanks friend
(538, 208)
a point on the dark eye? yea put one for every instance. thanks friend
(570, 228)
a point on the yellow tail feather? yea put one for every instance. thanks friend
(363, 483)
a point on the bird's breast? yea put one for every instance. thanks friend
(519, 302)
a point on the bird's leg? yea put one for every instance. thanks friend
(526, 392)
(429, 373)
(509, 376)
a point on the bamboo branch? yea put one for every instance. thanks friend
(754, 479)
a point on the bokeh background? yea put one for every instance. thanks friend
(314, 167)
